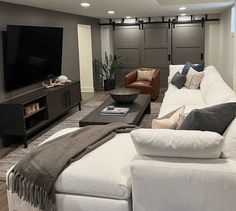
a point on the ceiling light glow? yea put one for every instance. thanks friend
(183, 14)
(182, 8)
(111, 12)
(85, 4)
(128, 17)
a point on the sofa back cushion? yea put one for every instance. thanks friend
(213, 88)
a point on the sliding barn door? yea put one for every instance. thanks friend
(187, 43)
(155, 48)
(127, 45)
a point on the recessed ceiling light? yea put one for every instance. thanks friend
(183, 14)
(111, 12)
(128, 17)
(85, 4)
(182, 8)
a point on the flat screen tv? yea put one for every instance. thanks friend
(31, 54)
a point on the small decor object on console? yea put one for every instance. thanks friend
(60, 81)
(124, 96)
(111, 110)
(29, 109)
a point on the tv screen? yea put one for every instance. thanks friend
(31, 54)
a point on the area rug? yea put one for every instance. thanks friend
(71, 121)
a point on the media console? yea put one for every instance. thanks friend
(26, 114)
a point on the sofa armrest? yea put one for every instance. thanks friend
(130, 78)
(166, 184)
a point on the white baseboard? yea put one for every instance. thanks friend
(87, 89)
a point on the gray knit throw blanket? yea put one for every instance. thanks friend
(33, 178)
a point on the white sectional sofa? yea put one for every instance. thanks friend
(113, 177)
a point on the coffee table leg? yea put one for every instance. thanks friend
(148, 109)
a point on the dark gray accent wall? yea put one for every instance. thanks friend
(12, 14)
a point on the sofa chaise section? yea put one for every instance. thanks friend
(99, 181)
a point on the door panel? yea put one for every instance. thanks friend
(155, 49)
(187, 43)
(127, 44)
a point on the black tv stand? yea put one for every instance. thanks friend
(51, 104)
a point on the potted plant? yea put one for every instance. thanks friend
(107, 70)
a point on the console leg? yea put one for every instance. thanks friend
(25, 141)
(79, 106)
(148, 109)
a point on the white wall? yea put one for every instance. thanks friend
(212, 44)
(226, 48)
(85, 58)
(106, 41)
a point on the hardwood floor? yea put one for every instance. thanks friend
(86, 97)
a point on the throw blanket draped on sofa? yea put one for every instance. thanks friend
(35, 175)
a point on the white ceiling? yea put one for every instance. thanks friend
(134, 8)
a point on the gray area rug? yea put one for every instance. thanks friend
(71, 121)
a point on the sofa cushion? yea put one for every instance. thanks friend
(175, 143)
(188, 65)
(215, 118)
(211, 76)
(144, 86)
(194, 79)
(103, 172)
(184, 96)
(178, 80)
(217, 93)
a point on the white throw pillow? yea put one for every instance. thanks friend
(145, 75)
(171, 120)
(193, 79)
(177, 143)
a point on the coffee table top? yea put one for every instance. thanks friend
(134, 116)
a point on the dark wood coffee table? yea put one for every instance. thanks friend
(138, 108)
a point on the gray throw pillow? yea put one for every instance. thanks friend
(215, 118)
(178, 80)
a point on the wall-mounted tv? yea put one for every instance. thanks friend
(31, 54)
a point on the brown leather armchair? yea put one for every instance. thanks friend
(145, 87)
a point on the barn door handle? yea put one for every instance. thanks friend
(202, 56)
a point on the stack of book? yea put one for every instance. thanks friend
(115, 111)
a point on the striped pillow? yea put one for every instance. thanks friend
(193, 79)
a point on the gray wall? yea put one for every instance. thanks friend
(23, 15)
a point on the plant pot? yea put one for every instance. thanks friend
(109, 84)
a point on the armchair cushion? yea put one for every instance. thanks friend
(176, 143)
(145, 75)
